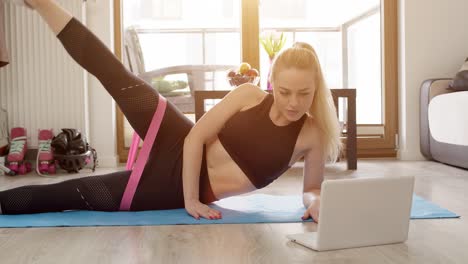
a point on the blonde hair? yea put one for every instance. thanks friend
(302, 56)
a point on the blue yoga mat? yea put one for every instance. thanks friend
(257, 208)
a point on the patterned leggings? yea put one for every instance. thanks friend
(160, 186)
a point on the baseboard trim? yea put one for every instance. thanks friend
(103, 161)
(410, 155)
(108, 161)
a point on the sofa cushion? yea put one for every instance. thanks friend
(448, 121)
(460, 81)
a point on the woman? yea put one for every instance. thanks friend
(244, 143)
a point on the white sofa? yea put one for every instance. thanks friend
(444, 123)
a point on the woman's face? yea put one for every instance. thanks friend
(294, 92)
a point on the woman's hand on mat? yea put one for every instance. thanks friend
(197, 209)
(312, 211)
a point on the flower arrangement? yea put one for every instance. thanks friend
(272, 42)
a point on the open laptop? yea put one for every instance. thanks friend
(361, 212)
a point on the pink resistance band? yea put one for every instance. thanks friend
(143, 155)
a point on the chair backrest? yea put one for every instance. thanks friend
(132, 53)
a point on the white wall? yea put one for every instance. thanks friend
(433, 42)
(101, 107)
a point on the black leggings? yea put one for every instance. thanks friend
(160, 186)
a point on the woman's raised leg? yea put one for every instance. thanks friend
(136, 98)
(53, 14)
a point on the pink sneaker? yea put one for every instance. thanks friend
(45, 162)
(18, 148)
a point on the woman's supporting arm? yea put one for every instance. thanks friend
(314, 166)
(204, 130)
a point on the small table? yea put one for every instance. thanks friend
(350, 134)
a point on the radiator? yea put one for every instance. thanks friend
(42, 87)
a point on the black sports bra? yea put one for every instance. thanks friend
(260, 148)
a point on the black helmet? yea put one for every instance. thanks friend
(71, 150)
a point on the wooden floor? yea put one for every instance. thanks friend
(430, 241)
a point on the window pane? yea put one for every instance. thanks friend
(365, 69)
(312, 13)
(222, 48)
(277, 13)
(182, 13)
(175, 32)
(170, 49)
(346, 36)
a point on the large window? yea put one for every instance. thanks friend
(355, 41)
(179, 32)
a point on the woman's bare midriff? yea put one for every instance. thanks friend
(226, 178)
